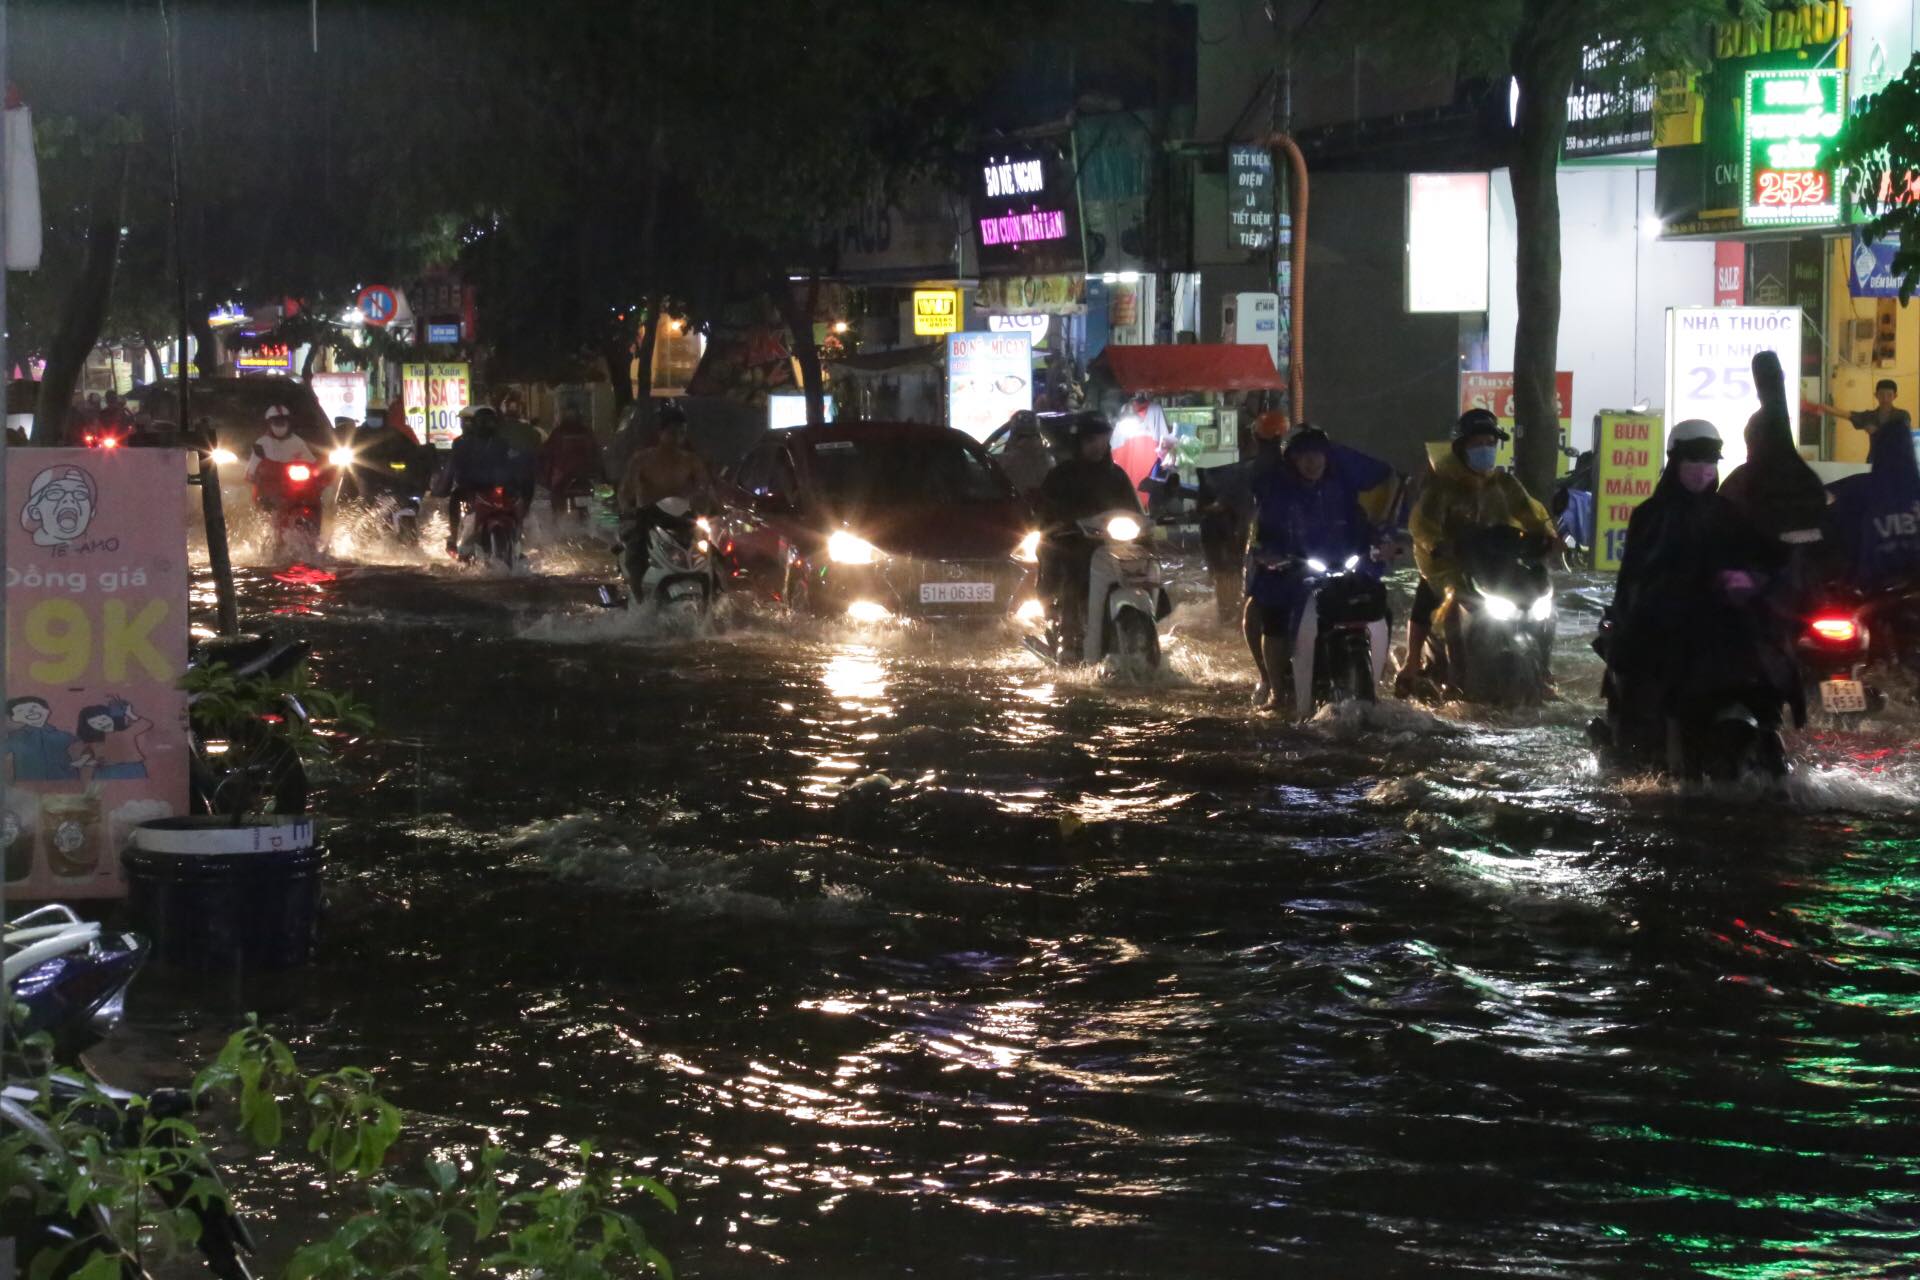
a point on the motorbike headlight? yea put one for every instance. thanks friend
(1123, 528)
(1317, 566)
(1542, 609)
(1353, 562)
(224, 457)
(845, 548)
(702, 546)
(1499, 608)
(1028, 552)
(704, 525)
(341, 457)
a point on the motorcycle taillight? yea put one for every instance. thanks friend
(1835, 629)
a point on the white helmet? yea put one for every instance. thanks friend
(1690, 430)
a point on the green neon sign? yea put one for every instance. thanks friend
(1787, 140)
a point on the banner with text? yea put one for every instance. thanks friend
(1710, 354)
(434, 395)
(1627, 457)
(1494, 393)
(989, 379)
(96, 644)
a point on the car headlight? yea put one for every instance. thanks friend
(1542, 609)
(845, 548)
(1123, 528)
(1028, 552)
(224, 457)
(1499, 608)
(341, 457)
(1317, 566)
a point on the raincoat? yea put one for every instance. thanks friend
(1875, 518)
(1457, 501)
(1292, 518)
(1774, 487)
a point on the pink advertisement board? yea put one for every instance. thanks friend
(96, 642)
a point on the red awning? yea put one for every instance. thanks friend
(1192, 366)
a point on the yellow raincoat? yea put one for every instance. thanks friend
(1458, 500)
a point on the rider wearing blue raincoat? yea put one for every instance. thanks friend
(1874, 522)
(1305, 508)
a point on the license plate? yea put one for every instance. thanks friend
(682, 590)
(1843, 695)
(956, 593)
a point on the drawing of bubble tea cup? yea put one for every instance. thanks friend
(70, 835)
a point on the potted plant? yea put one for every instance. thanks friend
(236, 883)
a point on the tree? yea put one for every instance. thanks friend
(1539, 44)
(1879, 150)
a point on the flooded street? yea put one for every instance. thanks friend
(896, 953)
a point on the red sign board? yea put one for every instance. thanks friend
(1729, 274)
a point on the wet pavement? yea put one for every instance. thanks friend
(900, 954)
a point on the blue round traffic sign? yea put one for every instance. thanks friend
(378, 305)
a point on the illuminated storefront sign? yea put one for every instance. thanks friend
(270, 357)
(1446, 242)
(1026, 213)
(1792, 119)
(935, 311)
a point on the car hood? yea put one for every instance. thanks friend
(942, 533)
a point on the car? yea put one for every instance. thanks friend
(236, 409)
(874, 521)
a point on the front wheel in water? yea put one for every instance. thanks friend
(1352, 660)
(1135, 643)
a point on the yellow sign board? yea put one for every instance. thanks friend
(936, 311)
(1627, 458)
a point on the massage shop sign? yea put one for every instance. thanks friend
(96, 644)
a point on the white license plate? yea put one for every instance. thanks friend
(956, 593)
(1843, 695)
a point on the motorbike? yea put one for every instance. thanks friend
(1493, 640)
(388, 482)
(575, 497)
(673, 568)
(1125, 602)
(1726, 729)
(68, 979)
(490, 527)
(1572, 509)
(251, 764)
(1833, 647)
(288, 494)
(1342, 640)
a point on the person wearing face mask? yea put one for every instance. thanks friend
(278, 443)
(1467, 492)
(1688, 614)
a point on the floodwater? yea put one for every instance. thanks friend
(900, 954)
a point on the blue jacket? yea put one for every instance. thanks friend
(1875, 518)
(1309, 522)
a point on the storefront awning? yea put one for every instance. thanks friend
(1191, 366)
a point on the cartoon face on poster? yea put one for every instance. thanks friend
(96, 733)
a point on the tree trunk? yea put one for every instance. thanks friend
(799, 318)
(644, 349)
(202, 329)
(618, 357)
(85, 311)
(1545, 74)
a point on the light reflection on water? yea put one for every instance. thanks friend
(902, 952)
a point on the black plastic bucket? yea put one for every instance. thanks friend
(213, 897)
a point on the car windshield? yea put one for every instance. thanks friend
(880, 473)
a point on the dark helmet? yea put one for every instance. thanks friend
(1091, 424)
(481, 420)
(1477, 422)
(1305, 438)
(671, 415)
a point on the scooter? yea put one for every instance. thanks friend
(1492, 643)
(1341, 644)
(252, 764)
(288, 494)
(68, 979)
(1729, 730)
(1833, 647)
(673, 570)
(394, 488)
(1125, 602)
(576, 500)
(490, 529)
